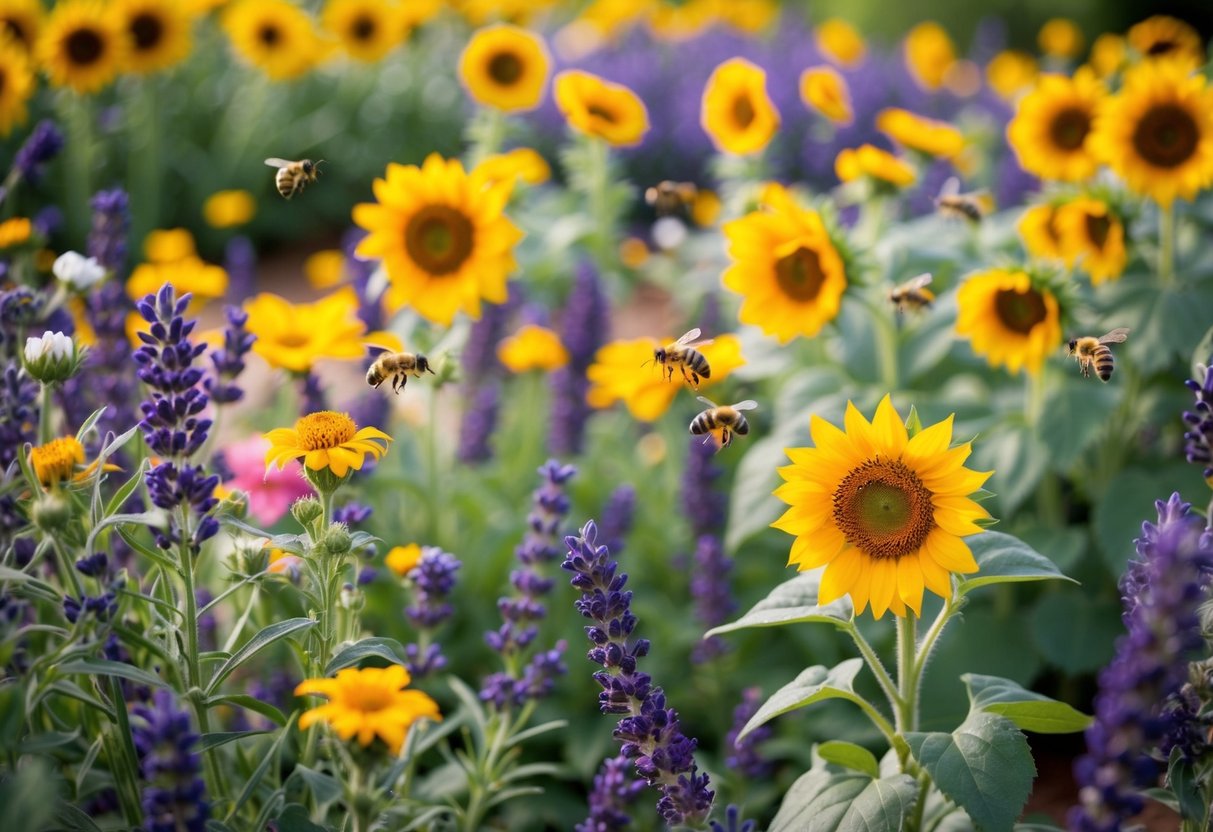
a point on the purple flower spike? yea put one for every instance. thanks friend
(1198, 439)
(174, 794)
(111, 224)
(42, 145)
(613, 792)
(229, 359)
(743, 755)
(433, 581)
(583, 330)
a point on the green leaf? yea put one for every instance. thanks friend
(105, 667)
(39, 743)
(254, 780)
(263, 639)
(153, 519)
(1185, 784)
(387, 649)
(752, 505)
(1003, 559)
(821, 801)
(218, 738)
(72, 819)
(251, 703)
(1029, 710)
(792, 602)
(1020, 459)
(815, 684)
(1071, 430)
(294, 818)
(1074, 631)
(324, 789)
(849, 755)
(984, 766)
(122, 494)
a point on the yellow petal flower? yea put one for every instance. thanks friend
(599, 108)
(840, 42)
(1010, 321)
(367, 704)
(929, 54)
(326, 440)
(532, 348)
(505, 67)
(823, 89)
(295, 336)
(227, 209)
(736, 113)
(1052, 126)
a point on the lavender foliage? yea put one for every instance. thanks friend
(712, 594)
(174, 794)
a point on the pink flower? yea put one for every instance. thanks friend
(270, 491)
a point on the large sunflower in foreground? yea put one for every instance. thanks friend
(1092, 234)
(596, 107)
(367, 29)
(443, 237)
(1009, 319)
(884, 513)
(22, 19)
(1157, 132)
(294, 336)
(786, 268)
(82, 45)
(326, 441)
(736, 112)
(275, 36)
(16, 84)
(1049, 131)
(159, 34)
(505, 67)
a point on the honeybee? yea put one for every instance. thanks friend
(727, 418)
(669, 197)
(1094, 352)
(971, 206)
(397, 366)
(912, 295)
(292, 176)
(683, 355)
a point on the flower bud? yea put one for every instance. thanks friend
(52, 358)
(336, 540)
(306, 511)
(78, 272)
(51, 513)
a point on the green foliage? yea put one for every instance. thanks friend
(825, 801)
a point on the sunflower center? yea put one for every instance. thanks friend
(14, 28)
(1019, 311)
(368, 699)
(269, 35)
(3, 79)
(743, 111)
(799, 274)
(883, 508)
(56, 460)
(1070, 128)
(1162, 47)
(363, 28)
(505, 68)
(1166, 136)
(601, 113)
(84, 47)
(438, 239)
(1097, 229)
(324, 430)
(147, 30)
(294, 340)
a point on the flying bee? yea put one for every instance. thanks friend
(397, 366)
(971, 206)
(1095, 352)
(669, 198)
(293, 176)
(727, 418)
(683, 355)
(913, 295)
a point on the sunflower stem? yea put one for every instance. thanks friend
(487, 134)
(932, 635)
(886, 348)
(907, 676)
(876, 665)
(1166, 244)
(600, 203)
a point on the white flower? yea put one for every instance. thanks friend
(78, 271)
(53, 346)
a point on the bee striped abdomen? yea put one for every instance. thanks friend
(740, 426)
(698, 364)
(704, 423)
(1103, 362)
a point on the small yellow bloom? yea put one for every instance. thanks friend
(227, 209)
(1060, 38)
(841, 42)
(706, 207)
(22, 19)
(505, 67)
(203, 280)
(402, 559)
(1051, 128)
(1041, 236)
(1094, 236)
(367, 703)
(871, 161)
(934, 138)
(15, 231)
(599, 108)
(1009, 320)
(367, 29)
(682, 21)
(326, 440)
(823, 89)
(748, 16)
(1011, 72)
(56, 460)
(295, 336)
(520, 163)
(1164, 38)
(284, 563)
(275, 36)
(1108, 54)
(325, 269)
(532, 348)
(929, 54)
(736, 113)
(633, 252)
(169, 245)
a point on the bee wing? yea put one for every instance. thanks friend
(950, 188)
(650, 195)
(275, 162)
(707, 401)
(748, 404)
(916, 282)
(688, 337)
(1116, 336)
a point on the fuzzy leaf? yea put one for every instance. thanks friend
(849, 755)
(1003, 559)
(256, 644)
(792, 602)
(294, 818)
(822, 801)
(1030, 711)
(815, 684)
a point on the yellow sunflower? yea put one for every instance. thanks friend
(16, 84)
(682, 21)
(884, 513)
(1041, 236)
(82, 45)
(505, 67)
(276, 36)
(1108, 54)
(532, 348)
(167, 245)
(1008, 319)
(442, 235)
(366, 703)
(403, 559)
(521, 163)
(1050, 130)
(1092, 234)
(1167, 38)
(737, 114)
(22, 19)
(840, 42)
(880, 165)
(823, 89)
(367, 29)
(1060, 38)
(599, 108)
(1010, 72)
(295, 336)
(748, 16)
(929, 54)
(326, 441)
(934, 138)
(1157, 132)
(325, 269)
(785, 267)
(618, 374)
(159, 34)
(228, 209)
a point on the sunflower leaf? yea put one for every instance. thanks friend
(849, 755)
(823, 801)
(1029, 711)
(1003, 559)
(792, 602)
(815, 684)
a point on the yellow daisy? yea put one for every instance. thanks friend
(22, 19)
(1108, 54)
(295, 336)
(599, 108)
(880, 165)
(840, 42)
(1092, 234)
(326, 440)
(275, 36)
(521, 163)
(1008, 319)
(823, 89)
(325, 269)
(929, 54)
(1167, 38)
(367, 703)
(159, 34)
(1041, 236)
(532, 348)
(190, 274)
(403, 559)
(934, 138)
(82, 45)
(1011, 72)
(1050, 130)
(505, 67)
(15, 231)
(1157, 132)
(167, 245)
(884, 513)
(736, 113)
(442, 235)
(785, 267)
(61, 460)
(228, 209)
(1060, 38)
(367, 29)
(17, 84)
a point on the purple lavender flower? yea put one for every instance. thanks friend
(613, 792)
(174, 794)
(713, 597)
(479, 420)
(650, 732)
(704, 505)
(1198, 440)
(617, 517)
(743, 756)
(433, 580)
(93, 565)
(18, 412)
(352, 514)
(47, 221)
(43, 144)
(109, 381)
(583, 330)
(733, 822)
(240, 263)
(229, 359)
(1138, 713)
(111, 224)
(102, 607)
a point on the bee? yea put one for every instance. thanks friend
(683, 355)
(913, 295)
(971, 206)
(292, 176)
(728, 418)
(1094, 352)
(669, 198)
(397, 366)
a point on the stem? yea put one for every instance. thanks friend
(1034, 396)
(44, 416)
(600, 207)
(1166, 244)
(69, 576)
(876, 666)
(146, 166)
(924, 784)
(79, 163)
(489, 135)
(434, 481)
(907, 677)
(886, 348)
(932, 635)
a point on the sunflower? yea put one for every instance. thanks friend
(1050, 131)
(22, 19)
(1060, 38)
(840, 42)
(879, 165)
(505, 67)
(442, 235)
(929, 54)
(275, 36)
(1108, 54)
(295, 336)
(367, 29)
(368, 702)
(325, 269)
(521, 163)
(1167, 38)
(532, 348)
(617, 374)
(599, 108)
(883, 512)
(16, 84)
(823, 89)
(159, 34)
(1011, 72)
(1094, 235)
(82, 45)
(326, 440)
(228, 209)
(1009, 320)
(934, 138)
(1041, 236)
(748, 16)
(737, 114)
(168, 245)
(1157, 132)
(682, 21)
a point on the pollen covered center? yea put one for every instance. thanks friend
(84, 47)
(1019, 311)
(269, 35)
(743, 111)
(56, 460)
(325, 430)
(147, 30)
(363, 28)
(1069, 128)
(602, 113)
(883, 509)
(368, 699)
(799, 274)
(1166, 136)
(505, 68)
(1098, 227)
(438, 238)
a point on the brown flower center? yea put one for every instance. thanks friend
(85, 47)
(325, 430)
(1019, 311)
(439, 239)
(743, 111)
(799, 274)
(505, 68)
(269, 35)
(600, 112)
(363, 28)
(147, 30)
(1166, 136)
(883, 508)
(368, 699)
(1070, 128)
(294, 340)
(1098, 227)
(16, 29)
(3, 81)
(1162, 47)
(56, 460)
